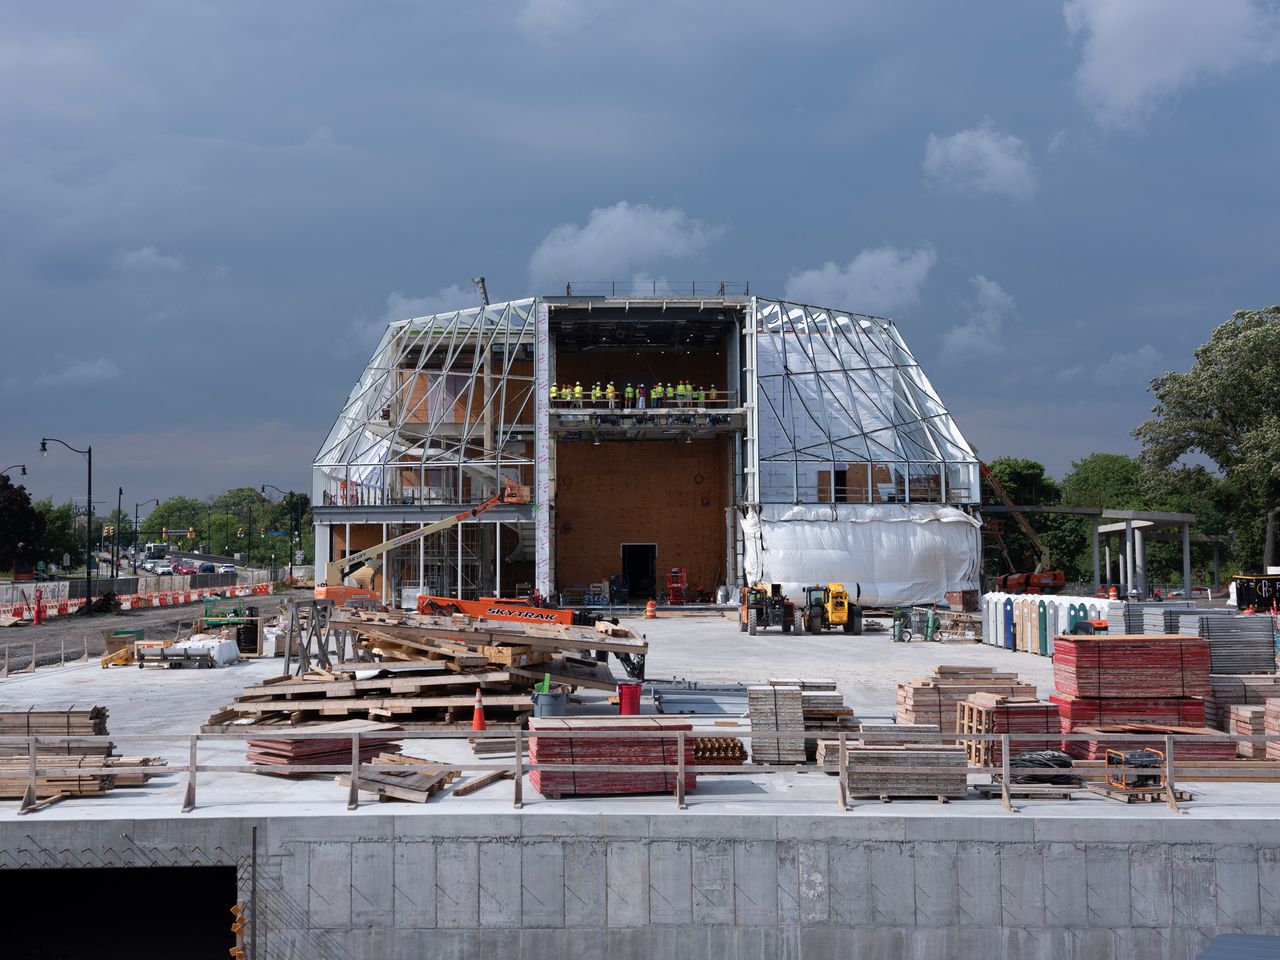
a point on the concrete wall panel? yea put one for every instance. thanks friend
(627, 880)
(500, 888)
(329, 882)
(1106, 884)
(585, 887)
(670, 882)
(414, 878)
(713, 882)
(457, 883)
(542, 885)
(756, 883)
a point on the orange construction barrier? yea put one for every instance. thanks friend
(477, 716)
(651, 610)
(1113, 594)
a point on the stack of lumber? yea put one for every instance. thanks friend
(63, 725)
(933, 700)
(1271, 726)
(1129, 666)
(1192, 743)
(526, 650)
(776, 709)
(823, 708)
(718, 751)
(423, 693)
(1240, 644)
(939, 771)
(636, 753)
(984, 713)
(876, 735)
(1230, 689)
(282, 753)
(409, 778)
(1248, 720)
(1102, 711)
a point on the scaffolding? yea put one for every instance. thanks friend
(843, 413)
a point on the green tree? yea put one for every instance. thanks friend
(1227, 409)
(1027, 485)
(177, 515)
(22, 526)
(1108, 480)
(60, 533)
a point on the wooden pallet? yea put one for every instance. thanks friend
(418, 782)
(1143, 795)
(1027, 791)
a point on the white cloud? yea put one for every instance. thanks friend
(1136, 53)
(982, 334)
(148, 258)
(615, 242)
(982, 159)
(876, 281)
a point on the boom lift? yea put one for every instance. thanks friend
(1042, 580)
(336, 572)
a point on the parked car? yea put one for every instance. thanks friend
(162, 568)
(226, 568)
(207, 567)
(184, 568)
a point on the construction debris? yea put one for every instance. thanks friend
(411, 779)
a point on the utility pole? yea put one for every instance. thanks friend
(115, 560)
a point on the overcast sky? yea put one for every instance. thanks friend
(210, 209)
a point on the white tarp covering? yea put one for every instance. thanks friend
(898, 553)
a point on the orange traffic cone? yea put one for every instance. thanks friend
(477, 716)
(1113, 594)
(651, 610)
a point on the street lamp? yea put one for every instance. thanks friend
(88, 534)
(23, 466)
(144, 503)
(295, 520)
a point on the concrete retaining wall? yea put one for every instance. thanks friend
(565, 886)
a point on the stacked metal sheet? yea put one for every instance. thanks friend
(911, 771)
(637, 753)
(1127, 666)
(1077, 712)
(281, 754)
(1135, 616)
(776, 710)
(1188, 623)
(1248, 720)
(1240, 644)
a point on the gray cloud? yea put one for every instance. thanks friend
(876, 281)
(1137, 53)
(148, 258)
(982, 159)
(982, 334)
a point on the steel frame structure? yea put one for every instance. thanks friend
(833, 390)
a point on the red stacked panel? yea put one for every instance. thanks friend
(1024, 718)
(1131, 666)
(636, 752)
(1187, 746)
(1271, 724)
(1096, 712)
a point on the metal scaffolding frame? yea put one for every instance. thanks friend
(833, 392)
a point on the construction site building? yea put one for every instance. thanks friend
(810, 447)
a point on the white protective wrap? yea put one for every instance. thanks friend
(898, 553)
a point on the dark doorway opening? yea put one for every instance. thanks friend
(640, 567)
(143, 913)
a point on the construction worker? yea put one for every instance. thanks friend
(700, 395)
(597, 392)
(555, 394)
(566, 394)
(611, 395)
(639, 396)
(657, 394)
(680, 394)
(577, 393)
(628, 396)
(712, 395)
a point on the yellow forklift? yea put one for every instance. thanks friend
(827, 607)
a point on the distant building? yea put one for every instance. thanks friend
(813, 449)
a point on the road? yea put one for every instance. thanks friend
(76, 631)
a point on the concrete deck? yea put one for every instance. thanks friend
(867, 669)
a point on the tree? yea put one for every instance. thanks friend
(21, 525)
(1227, 408)
(177, 515)
(1108, 480)
(60, 534)
(1027, 485)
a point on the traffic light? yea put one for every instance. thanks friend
(191, 533)
(164, 533)
(237, 928)
(240, 532)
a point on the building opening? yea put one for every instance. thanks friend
(640, 570)
(139, 913)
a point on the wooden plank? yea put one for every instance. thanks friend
(479, 783)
